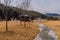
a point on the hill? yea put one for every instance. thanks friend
(14, 12)
(52, 14)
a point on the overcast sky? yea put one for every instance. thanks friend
(44, 6)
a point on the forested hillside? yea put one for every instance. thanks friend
(13, 12)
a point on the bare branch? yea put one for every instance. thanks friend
(26, 4)
(3, 12)
(10, 1)
(12, 12)
(7, 2)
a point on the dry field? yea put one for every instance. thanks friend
(17, 31)
(54, 25)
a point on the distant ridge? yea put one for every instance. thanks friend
(52, 14)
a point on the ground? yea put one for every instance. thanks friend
(54, 25)
(17, 31)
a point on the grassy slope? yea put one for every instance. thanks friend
(54, 25)
(17, 31)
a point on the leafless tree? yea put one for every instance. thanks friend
(25, 6)
(6, 3)
(5, 9)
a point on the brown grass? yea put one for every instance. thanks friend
(54, 25)
(17, 31)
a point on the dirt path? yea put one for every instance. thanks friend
(45, 33)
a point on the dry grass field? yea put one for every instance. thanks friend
(54, 25)
(16, 31)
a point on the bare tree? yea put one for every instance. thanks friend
(6, 3)
(25, 6)
(5, 10)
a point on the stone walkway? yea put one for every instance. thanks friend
(45, 33)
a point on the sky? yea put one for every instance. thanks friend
(46, 6)
(43, 6)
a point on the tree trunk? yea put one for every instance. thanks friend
(6, 25)
(24, 24)
(6, 19)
